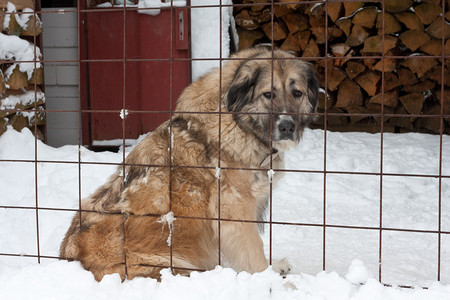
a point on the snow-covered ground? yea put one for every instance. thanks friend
(351, 256)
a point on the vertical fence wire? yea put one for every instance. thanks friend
(219, 109)
(441, 132)
(272, 45)
(380, 241)
(171, 38)
(324, 213)
(36, 58)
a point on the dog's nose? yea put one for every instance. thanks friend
(286, 129)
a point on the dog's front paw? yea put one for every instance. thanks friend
(281, 266)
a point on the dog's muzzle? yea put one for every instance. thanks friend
(286, 130)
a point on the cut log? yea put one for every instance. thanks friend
(19, 122)
(334, 10)
(410, 20)
(432, 47)
(255, 7)
(447, 47)
(289, 4)
(414, 39)
(340, 49)
(345, 25)
(375, 108)
(262, 16)
(34, 26)
(282, 10)
(413, 103)
(365, 17)
(248, 38)
(389, 65)
(335, 77)
(420, 87)
(357, 36)
(395, 6)
(369, 82)
(374, 44)
(244, 20)
(317, 20)
(349, 94)
(311, 50)
(279, 32)
(354, 68)
(356, 109)
(2, 83)
(321, 102)
(19, 4)
(406, 77)
(432, 1)
(334, 31)
(446, 100)
(13, 27)
(370, 62)
(336, 119)
(37, 77)
(420, 65)
(390, 98)
(319, 33)
(391, 25)
(435, 29)
(290, 44)
(403, 122)
(431, 123)
(436, 74)
(2, 126)
(17, 79)
(303, 39)
(317, 11)
(427, 12)
(391, 81)
(295, 22)
(351, 7)
(2, 18)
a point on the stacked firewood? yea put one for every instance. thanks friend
(350, 34)
(21, 73)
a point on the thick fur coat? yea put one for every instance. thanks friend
(201, 166)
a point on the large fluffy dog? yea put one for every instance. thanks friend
(128, 226)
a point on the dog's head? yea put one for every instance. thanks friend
(274, 99)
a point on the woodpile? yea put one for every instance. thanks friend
(365, 52)
(21, 73)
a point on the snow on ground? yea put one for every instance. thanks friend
(351, 255)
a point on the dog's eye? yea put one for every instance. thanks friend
(297, 93)
(268, 95)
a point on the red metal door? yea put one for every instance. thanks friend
(144, 76)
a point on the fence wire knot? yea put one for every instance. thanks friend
(270, 173)
(168, 219)
(123, 113)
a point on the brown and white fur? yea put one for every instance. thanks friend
(175, 169)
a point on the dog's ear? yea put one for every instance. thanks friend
(241, 89)
(313, 87)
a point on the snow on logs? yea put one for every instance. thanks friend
(412, 85)
(21, 72)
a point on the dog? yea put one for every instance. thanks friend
(190, 195)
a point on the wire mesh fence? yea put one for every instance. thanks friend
(324, 234)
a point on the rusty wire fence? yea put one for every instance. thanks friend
(322, 228)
